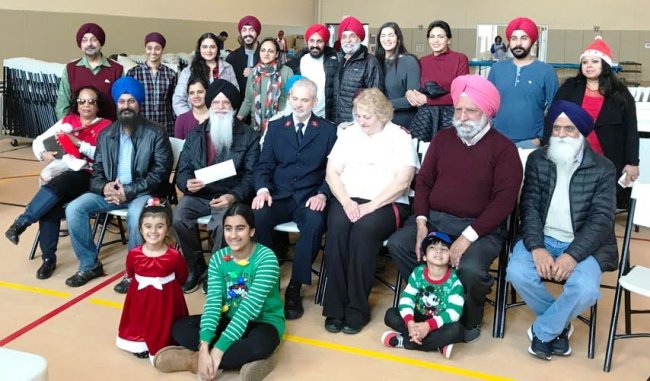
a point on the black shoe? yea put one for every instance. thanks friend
(15, 230)
(538, 348)
(560, 346)
(82, 277)
(293, 302)
(123, 286)
(351, 329)
(195, 277)
(47, 269)
(472, 334)
(333, 325)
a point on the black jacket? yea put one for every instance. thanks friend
(244, 152)
(361, 71)
(330, 64)
(239, 61)
(152, 160)
(616, 126)
(592, 196)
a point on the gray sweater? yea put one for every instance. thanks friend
(397, 82)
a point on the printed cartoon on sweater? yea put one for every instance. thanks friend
(427, 303)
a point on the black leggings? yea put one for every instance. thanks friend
(258, 342)
(436, 339)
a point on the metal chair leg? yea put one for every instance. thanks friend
(592, 332)
(32, 252)
(122, 235)
(398, 289)
(609, 352)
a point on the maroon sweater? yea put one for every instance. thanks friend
(443, 69)
(79, 76)
(481, 181)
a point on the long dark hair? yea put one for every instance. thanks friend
(609, 86)
(199, 67)
(239, 209)
(380, 53)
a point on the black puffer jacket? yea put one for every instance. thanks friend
(592, 197)
(361, 71)
(244, 152)
(330, 64)
(152, 160)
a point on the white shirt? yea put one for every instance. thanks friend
(558, 220)
(314, 69)
(370, 163)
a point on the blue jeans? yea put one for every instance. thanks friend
(581, 289)
(78, 213)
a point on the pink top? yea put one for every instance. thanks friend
(592, 103)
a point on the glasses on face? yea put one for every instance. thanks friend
(82, 101)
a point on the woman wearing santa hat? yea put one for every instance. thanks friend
(597, 89)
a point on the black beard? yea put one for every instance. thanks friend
(524, 54)
(129, 120)
(317, 55)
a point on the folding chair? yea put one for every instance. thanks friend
(630, 279)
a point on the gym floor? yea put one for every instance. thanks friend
(75, 329)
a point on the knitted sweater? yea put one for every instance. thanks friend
(440, 300)
(245, 292)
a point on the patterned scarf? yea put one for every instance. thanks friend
(273, 90)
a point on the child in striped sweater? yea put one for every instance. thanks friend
(430, 306)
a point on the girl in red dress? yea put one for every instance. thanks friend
(155, 299)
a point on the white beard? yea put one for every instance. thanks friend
(563, 151)
(350, 48)
(221, 130)
(467, 130)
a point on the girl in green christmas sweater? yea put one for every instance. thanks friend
(431, 304)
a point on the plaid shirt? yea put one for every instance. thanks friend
(158, 94)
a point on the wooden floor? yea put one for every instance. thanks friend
(74, 329)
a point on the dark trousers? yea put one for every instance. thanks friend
(350, 259)
(46, 207)
(189, 209)
(473, 269)
(433, 341)
(258, 342)
(310, 223)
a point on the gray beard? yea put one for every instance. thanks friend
(467, 130)
(563, 151)
(350, 48)
(221, 130)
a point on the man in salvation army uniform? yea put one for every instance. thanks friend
(290, 184)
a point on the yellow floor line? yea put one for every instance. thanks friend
(36, 290)
(298, 339)
(394, 358)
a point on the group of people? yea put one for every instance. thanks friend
(350, 181)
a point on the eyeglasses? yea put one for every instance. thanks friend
(84, 101)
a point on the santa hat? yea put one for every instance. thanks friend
(599, 48)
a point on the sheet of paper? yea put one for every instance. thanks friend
(642, 212)
(216, 172)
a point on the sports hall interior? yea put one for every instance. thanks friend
(75, 329)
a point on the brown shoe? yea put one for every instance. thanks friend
(175, 358)
(257, 370)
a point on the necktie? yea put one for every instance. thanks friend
(299, 134)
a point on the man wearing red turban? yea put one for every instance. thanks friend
(318, 62)
(467, 186)
(247, 55)
(527, 87)
(92, 69)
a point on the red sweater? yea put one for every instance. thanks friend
(481, 181)
(80, 76)
(443, 69)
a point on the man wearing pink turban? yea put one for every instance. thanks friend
(467, 186)
(246, 56)
(319, 63)
(527, 86)
(92, 69)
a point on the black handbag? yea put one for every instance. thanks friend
(432, 90)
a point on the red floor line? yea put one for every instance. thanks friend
(634, 238)
(58, 310)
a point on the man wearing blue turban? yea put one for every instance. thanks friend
(133, 162)
(567, 210)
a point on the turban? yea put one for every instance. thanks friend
(353, 25)
(481, 91)
(225, 87)
(578, 116)
(291, 81)
(155, 37)
(599, 48)
(128, 85)
(252, 21)
(525, 24)
(93, 28)
(322, 31)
